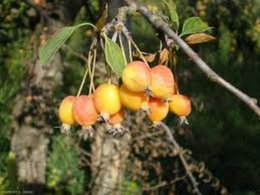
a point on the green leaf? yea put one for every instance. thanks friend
(114, 56)
(171, 7)
(54, 43)
(194, 25)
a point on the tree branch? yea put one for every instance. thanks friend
(159, 23)
(163, 184)
(181, 156)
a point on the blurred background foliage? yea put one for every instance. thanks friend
(14, 32)
(223, 132)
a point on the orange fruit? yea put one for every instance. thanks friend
(84, 111)
(158, 110)
(132, 100)
(180, 105)
(136, 76)
(162, 85)
(115, 122)
(116, 118)
(38, 2)
(107, 99)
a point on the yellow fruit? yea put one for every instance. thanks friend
(180, 105)
(66, 114)
(65, 110)
(158, 110)
(162, 85)
(132, 100)
(136, 76)
(107, 99)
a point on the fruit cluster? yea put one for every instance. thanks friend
(152, 90)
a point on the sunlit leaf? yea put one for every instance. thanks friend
(199, 38)
(114, 56)
(55, 42)
(171, 8)
(194, 25)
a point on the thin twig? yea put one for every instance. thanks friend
(163, 184)
(148, 135)
(182, 158)
(93, 69)
(159, 23)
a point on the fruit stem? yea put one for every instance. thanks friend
(114, 37)
(92, 86)
(122, 47)
(139, 51)
(83, 81)
(91, 58)
(130, 50)
(131, 41)
(88, 68)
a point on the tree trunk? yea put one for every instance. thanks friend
(108, 162)
(31, 128)
(34, 106)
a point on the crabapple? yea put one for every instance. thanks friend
(84, 111)
(136, 76)
(133, 100)
(162, 85)
(180, 105)
(107, 100)
(66, 113)
(158, 110)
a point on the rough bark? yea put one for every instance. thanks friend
(109, 157)
(31, 129)
(33, 109)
